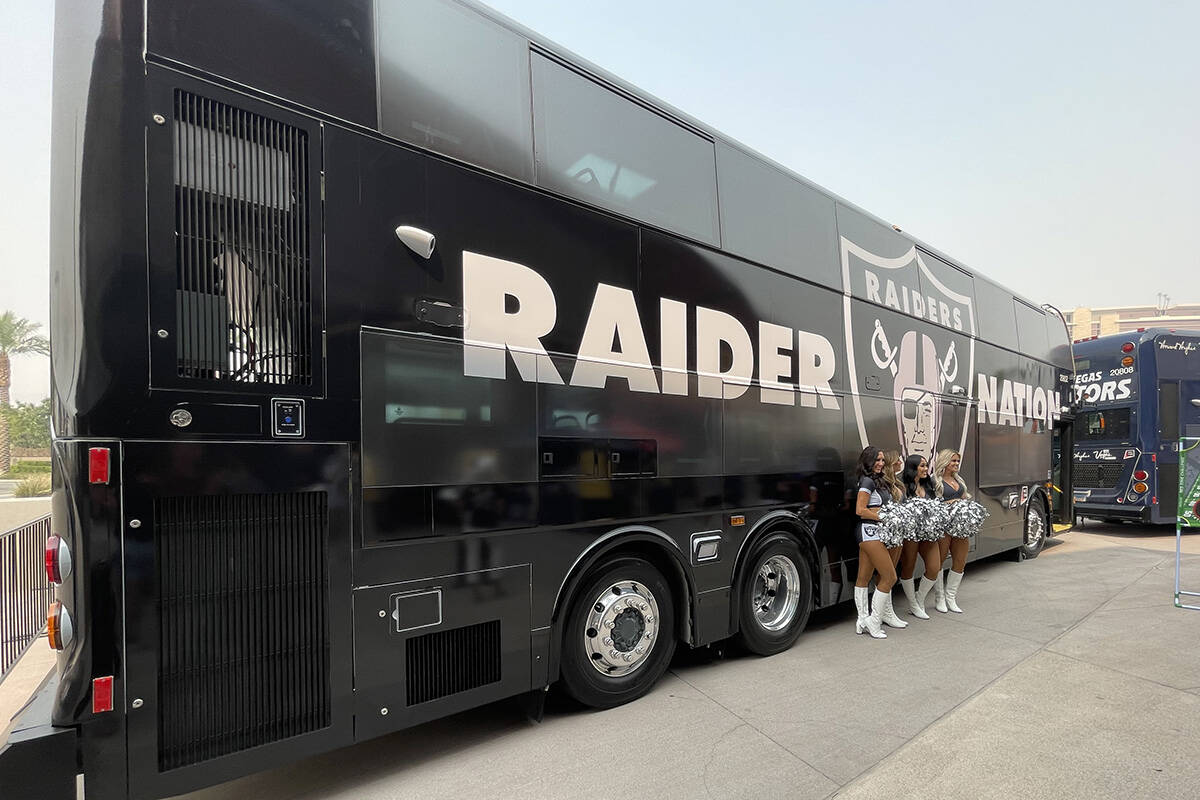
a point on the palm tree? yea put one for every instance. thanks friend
(17, 335)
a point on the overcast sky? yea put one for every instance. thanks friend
(1050, 145)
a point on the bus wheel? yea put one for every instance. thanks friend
(620, 634)
(1035, 530)
(775, 596)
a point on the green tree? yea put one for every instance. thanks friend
(17, 336)
(29, 424)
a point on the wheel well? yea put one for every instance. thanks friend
(799, 532)
(639, 544)
(1040, 494)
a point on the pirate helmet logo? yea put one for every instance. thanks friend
(922, 360)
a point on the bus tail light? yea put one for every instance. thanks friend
(1140, 475)
(58, 560)
(1127, 361)
(1140, 488)
(59, 629)
(1127, 347)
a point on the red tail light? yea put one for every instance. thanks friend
(58, 560)
(59, 629)
(1127, 347)
(1140, 475)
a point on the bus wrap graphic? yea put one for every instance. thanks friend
(1188, 513)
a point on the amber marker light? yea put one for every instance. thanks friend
(59, 630)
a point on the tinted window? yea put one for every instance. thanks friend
(455, 82)
(1058, 339)
(1031, 331)
(1109, 425)
(768, 438)
(1000, 455)
(997, 319)
(316, 52)
(942, 282)
(771, 217)
(881, 264)
(424, 422)
(598, 146)
(684, 430)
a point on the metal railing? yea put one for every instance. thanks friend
(25, 594)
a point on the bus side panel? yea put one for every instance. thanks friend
(237, 608)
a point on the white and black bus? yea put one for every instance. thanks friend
(403, 361)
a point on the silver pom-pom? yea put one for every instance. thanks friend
(931, 519)
(895, 521)
(966, 519)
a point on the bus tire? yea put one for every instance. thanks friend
(1034, 533)
(775, 596)
(619, 635)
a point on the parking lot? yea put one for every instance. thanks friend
(1071, 675)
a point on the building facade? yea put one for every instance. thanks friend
(1087, 322)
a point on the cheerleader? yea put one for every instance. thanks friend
(917, 483)
(951, 489)
(893, 466)
(873, 556)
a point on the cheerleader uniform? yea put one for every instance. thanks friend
(949, 494)
(872, 615)
(878, 496)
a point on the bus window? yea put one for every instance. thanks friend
(1111, 424)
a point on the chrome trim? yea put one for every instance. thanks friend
(395, 599)
(606, 537)
(704, 537)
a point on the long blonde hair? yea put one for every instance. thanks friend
(890, 480)
(940, 462)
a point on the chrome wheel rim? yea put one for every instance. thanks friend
(776, 593)
(621, 628)
(1035, 529)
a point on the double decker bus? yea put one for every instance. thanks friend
(1137, 394)
(403, 361)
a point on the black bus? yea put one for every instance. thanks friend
(403, 361)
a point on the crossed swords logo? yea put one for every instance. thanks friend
(885, 356)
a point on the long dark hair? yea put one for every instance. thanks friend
(866, 462)
(910, 476)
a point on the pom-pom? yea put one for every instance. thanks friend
(931, 518)
(966, 519)
(895, 522)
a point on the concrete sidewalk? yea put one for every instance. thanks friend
(16, 511)
(1069, 676)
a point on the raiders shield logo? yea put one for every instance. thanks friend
(913, 386)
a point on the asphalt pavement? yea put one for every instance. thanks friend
(1069, 676)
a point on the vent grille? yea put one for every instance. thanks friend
(1098, 476)
(244, 641)
(243, 292)
(449, 662)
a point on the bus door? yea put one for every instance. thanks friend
(1167, 459)
(1062, 502)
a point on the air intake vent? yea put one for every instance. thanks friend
(1098, 476)
(449, 662)
(243, 292)
(244, 640)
